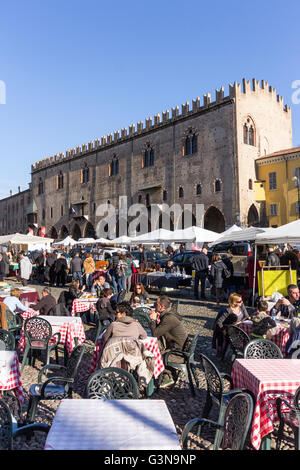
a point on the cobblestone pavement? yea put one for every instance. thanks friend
(197, 316)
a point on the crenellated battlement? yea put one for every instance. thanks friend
(237, 90)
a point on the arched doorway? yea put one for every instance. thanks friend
(64, 232)
(253, 217)
(214, 220)
(89, 231)
(76, 232)
(53, 233)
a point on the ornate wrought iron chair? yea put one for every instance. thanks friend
(262, 349)
(216, 391)
(141, 314)
(58, 386)
(238, 339)
(38, 334)
(7, 341)
(186, 359)
(291, 418)
(232, 431)
(7, 431)
(111, 383)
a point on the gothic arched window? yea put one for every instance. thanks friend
(181, 193)
(198, 189)
(249, 132)
(190, 145)
(85, 174)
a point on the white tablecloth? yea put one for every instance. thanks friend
(112, 425)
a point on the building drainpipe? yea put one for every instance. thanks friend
(287, 194)
(235, 164)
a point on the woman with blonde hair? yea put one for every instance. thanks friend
(12, 301)
(234, 314)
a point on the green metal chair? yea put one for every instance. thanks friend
(238, 340)
(141, 314)
(58, 386)
(38, 334)
(8, 432)
(216, 391)
(14, 322)
(232, 431)
(290, 417)
(112, 383)
(121, 296)
(262, 349)
(187, 358)
(7, 341)
(101, 325)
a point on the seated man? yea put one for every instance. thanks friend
(262, 322)
(288, 307)
(124, 325)
(46, 304)
(167, 324)
(13, 301)
(99, 284)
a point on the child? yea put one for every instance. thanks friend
(262, 322)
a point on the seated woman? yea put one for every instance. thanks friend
(234, 314)
(74, 289)
(139, 295)
(12, 301)
(103, 305)
(125, 325)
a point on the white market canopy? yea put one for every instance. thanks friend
(123, 240)
(66, 242)
(159, 235)
(246, 234)
(289, 233)
(86, 241)
(32, 241)
(191, 234)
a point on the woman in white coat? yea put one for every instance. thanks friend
(25, 268)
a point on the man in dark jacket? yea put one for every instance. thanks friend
(200, 264)
(51, 260)
(61, 267)
(272, 258)
(46, 304)
(76, 268)
(167, 324)
(113, 263)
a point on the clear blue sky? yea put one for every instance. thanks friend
(76, 70)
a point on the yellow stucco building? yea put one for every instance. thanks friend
(278, 186)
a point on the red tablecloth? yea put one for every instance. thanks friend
(80, 306)
(278, 335)
(150, 343)
(68, 327)
(267, 379)
(10, 376)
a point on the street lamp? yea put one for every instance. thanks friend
(296, 180)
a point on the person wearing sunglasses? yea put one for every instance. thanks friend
(234, 314)
(139, 295)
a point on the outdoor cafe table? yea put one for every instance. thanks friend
(150, 344)
(83, 305)
(279, 334)
(10, 376)
(70, 328)
(267, 379)
(112, 425)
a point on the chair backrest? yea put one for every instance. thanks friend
(5, 427)
(38, 332)
(212, 376)
(190, 346)
(7, 341)
(14, 406)
(112, 383)
(262, 349)
(121, 296)
(297, 401)
(10, 319)
(238, 339)
(74, 361)
(141, 314)
(237, 420)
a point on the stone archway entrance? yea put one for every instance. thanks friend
(253, 217)
(64, 232)
(89, 231)
(214, 220)
(53, 233)
(76, 232)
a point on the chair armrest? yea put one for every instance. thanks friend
(233, 392)
(58, 337)
(227, 377)
(176, 352)
(63, 380)
(30, 428)
(50, 367)
(197, 421)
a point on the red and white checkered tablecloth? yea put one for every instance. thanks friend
(10, 376)
(150, 344)
(80, 306)
(29, 313)
(267, 379)
(279, 335)
(69, 329)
